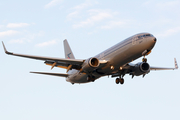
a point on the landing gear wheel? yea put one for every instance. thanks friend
(144, 60)
(121, 81)
(117, 80)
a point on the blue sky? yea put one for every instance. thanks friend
(90, 26)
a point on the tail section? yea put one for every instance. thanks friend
(68, 52)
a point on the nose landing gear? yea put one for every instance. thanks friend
(145, 53)
(144, 60)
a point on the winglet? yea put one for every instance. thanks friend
(5, 49)
(175, 62)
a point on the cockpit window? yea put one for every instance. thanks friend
(148, 35)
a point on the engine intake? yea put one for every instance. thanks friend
(141, 68)
(144, 67)
(90, 64)
(94, 62)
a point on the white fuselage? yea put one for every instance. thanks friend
(117, 56)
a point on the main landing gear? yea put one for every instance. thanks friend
(119, 80)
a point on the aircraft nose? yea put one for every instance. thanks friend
(155, 39)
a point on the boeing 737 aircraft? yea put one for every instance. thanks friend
(115, 61)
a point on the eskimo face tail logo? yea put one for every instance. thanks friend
(69, 55)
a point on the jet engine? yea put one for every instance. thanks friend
(141, 68)
(90, 64)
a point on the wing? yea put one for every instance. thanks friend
(131, 69)
(161, 68)
(54, 62)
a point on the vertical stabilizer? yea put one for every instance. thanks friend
(68, 52)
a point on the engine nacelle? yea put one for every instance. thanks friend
(90, 64)
(141, 68)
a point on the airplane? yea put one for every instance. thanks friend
(114, 62)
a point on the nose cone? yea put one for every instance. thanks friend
(151, 42)
(155, 39)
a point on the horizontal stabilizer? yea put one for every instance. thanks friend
(53, 74)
